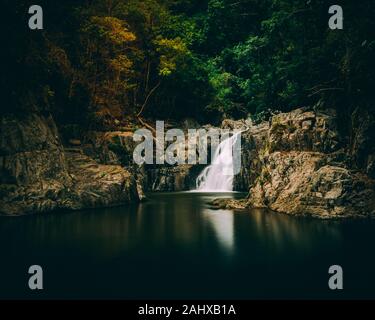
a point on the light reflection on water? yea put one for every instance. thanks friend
(179, 234)
(182, 220)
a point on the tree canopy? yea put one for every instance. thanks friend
(205, 59)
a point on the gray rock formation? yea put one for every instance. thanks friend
(307, 183)
(296, 164)
(38, 175)
(116, 148)
(173, 178)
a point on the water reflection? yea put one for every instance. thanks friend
(280, 232)
(153, 246)
(222, 222)
(169, 220)
(164, 221)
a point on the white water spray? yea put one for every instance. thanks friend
(218, 177)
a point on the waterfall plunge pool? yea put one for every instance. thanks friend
(174, 246)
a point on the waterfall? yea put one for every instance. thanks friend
(218, 177)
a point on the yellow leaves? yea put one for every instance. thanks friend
(176, 45)
(171, 51)
(114, 29)
(166, 66)
(121, 63)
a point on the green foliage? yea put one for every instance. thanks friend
(206, 59)
(289, 58)
(171, 51)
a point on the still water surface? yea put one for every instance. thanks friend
(175, 246)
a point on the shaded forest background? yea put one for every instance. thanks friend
(102, 61)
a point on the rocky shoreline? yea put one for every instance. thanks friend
(295, 163)
(300, 165)
(39, 175)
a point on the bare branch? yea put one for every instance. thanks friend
(326, 89)
(148, 97)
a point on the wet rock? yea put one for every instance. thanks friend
(226, 203)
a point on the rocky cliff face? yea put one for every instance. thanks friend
(37, 174)
(117, 147)
(297, 164)
(253, 139)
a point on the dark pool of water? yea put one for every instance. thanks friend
(175, 246)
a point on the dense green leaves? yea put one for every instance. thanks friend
(206, 59)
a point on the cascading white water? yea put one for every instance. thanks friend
(218, 177)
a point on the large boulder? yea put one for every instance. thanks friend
(33, 170)
(304, 130)
(304, 183)
(98, 185)
(30, 151)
